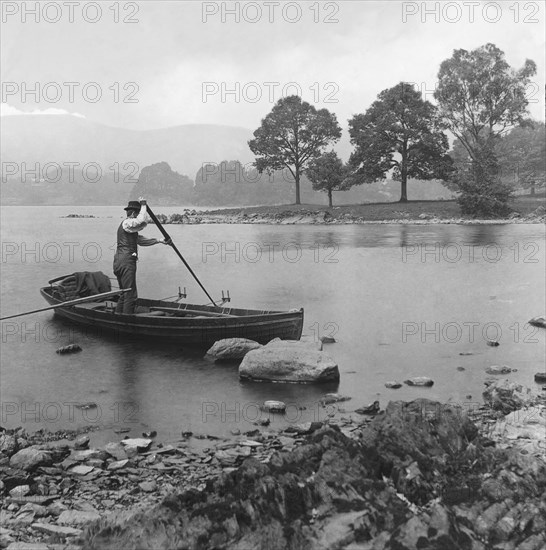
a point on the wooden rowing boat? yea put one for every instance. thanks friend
(187, 324)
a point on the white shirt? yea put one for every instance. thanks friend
(134, 225)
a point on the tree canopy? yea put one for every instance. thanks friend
(399, 132)
(480, 98)
(327, 173)
(291, 135)
(522, 156)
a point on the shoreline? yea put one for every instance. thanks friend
(77, 495)
(355, 215)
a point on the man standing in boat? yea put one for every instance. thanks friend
(125, 259)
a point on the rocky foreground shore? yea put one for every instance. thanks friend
(416, 475)
(335, 217)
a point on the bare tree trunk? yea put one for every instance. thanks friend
(297, 185)
(404, 175)
(329, 198)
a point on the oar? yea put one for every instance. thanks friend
(70, 303)
(166, 235)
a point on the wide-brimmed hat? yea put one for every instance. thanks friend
(133, 205)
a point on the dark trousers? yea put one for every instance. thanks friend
(125, 271)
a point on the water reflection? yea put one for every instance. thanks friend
(368, 293)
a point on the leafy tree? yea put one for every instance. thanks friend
(480, 98)
(327, 173)
(399, 132)
(291, 135)
(522, 156)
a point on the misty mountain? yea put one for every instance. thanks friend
(65, 138)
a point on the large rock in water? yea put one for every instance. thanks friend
(232, 348)
(289, 363)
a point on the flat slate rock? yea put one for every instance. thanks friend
(140, 443)
(80, 456)
(77, 517)
(33, 499)
(30, 458)
(20, 545)
(118, 464)
(116, 450)
(81, 470)
(148, 486)
(53, 529)
(249, 443)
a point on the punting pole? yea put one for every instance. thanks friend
(166, 235)
(70, 303)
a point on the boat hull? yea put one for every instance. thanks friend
(195, 331)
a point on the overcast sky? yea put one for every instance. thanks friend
(177, 57)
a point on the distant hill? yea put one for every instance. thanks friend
(122, 154)
(46, 138)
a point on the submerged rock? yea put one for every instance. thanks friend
(419, 381)
(330, 398)
(394, 385)
(231, 349)
(274, 406)
(369, 409)
(498, 369)
(288, 364)
(71, 348)
(539, 322)
(540, 377)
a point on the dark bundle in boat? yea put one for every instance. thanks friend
(80, 285)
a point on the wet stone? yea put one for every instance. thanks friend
(81, 470)
(419, 381)
(81, 442)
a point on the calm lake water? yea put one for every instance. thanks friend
(401, 301)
